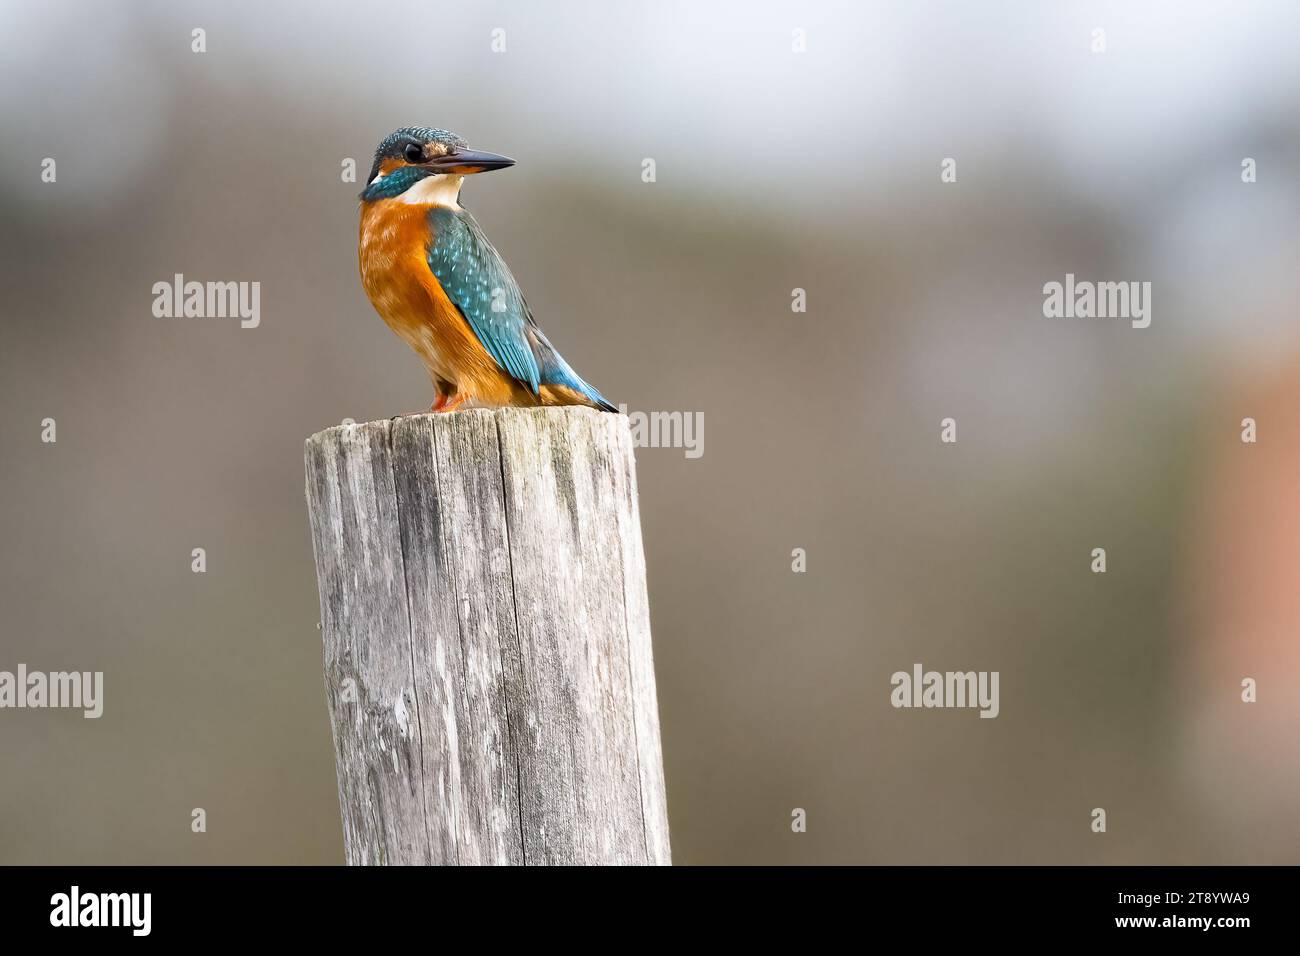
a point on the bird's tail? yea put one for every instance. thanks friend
(573, 384)
(556, 371)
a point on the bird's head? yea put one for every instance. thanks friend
(433, 161)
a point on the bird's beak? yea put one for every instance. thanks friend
(466, 162)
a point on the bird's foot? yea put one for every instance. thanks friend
(447, 403)
(448, 395)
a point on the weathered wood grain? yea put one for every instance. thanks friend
(488, 664)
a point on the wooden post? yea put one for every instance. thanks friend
(487, 639)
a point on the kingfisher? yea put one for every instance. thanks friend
(432, 275)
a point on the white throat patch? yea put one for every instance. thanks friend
(440, 189)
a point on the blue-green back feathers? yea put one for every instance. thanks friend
(477, 280)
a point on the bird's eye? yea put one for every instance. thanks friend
(413, 153)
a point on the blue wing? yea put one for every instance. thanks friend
(480, 285)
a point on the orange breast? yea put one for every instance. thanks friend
(392, 247)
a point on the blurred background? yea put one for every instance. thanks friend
(775, 170)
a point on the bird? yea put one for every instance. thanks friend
(436, 280)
